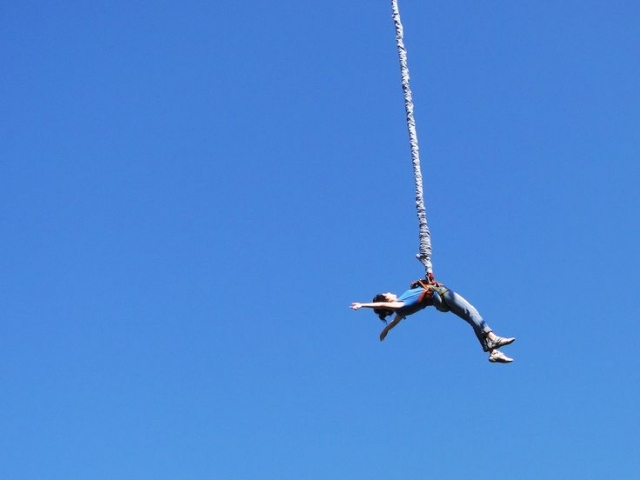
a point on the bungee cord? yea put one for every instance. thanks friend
(424, 253)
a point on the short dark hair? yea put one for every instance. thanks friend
(382, 313)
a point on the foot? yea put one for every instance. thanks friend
(498, 342)
(496, 356)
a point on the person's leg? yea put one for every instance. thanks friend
(463, 309)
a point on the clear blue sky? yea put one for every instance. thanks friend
(192, 193)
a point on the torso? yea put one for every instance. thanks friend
(414, 300)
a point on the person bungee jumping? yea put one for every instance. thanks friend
(428, 292)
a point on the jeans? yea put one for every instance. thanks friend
(449, 301)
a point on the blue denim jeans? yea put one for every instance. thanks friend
(449, 301)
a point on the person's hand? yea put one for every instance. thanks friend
(356, 306)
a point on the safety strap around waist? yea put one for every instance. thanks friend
(432, 287)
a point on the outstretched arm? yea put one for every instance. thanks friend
(389, 326)
(387, 305)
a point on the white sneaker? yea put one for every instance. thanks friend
(496, 356)
(499, 342)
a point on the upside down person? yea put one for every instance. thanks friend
(425, 293)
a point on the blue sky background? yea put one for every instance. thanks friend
(194, 192)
